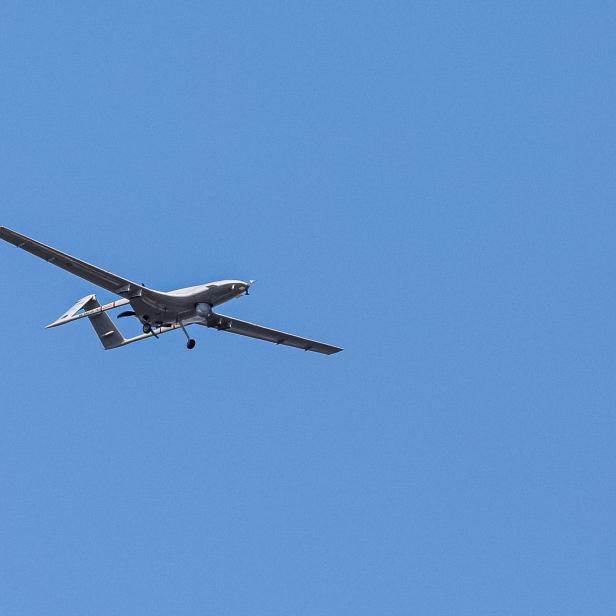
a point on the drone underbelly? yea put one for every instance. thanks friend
(157, 314)
(175, 307)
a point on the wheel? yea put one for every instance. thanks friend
(190, 344)
(147, 328)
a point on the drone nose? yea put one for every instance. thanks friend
(240, 285)
(245, 286)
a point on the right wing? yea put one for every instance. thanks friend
(243, 328)
(91, 273)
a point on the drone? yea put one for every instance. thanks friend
(157, 311)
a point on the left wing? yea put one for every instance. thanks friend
(243, 328)
(96, 275)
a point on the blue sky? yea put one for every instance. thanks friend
(430, 186)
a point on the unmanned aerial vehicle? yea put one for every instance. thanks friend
(157, 312)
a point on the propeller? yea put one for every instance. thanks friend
(127, 313)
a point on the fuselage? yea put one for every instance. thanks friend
(161, 308)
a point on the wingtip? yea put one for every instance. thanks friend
(335, 350)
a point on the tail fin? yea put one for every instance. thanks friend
(108, 333)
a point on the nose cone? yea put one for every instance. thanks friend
(239, 285)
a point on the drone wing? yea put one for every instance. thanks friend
(243, 328)
(102, 278)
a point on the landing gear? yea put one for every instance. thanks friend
(191, 343)
(147, 328)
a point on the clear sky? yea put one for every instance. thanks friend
(429, 185)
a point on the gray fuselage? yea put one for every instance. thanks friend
(160, 308)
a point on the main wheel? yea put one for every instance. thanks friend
(147, 328)
(190, 344)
